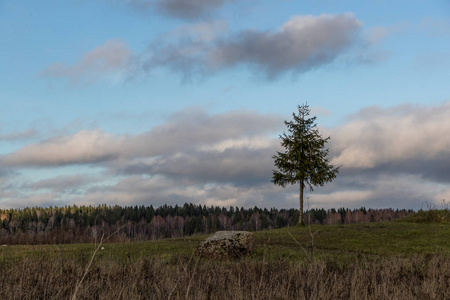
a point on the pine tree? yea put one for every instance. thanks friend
(305, 158)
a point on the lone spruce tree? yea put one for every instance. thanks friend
(305, 159)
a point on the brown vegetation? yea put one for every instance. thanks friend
(425, 277)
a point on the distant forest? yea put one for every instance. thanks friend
(85, 224)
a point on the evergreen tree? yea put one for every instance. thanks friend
(305, 158)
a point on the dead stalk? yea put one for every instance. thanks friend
(179, 277)
(192, 277)
(304, 250)
(309, 256)
(74, 296)
(262, 270)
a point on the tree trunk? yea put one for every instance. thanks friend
(300, 219)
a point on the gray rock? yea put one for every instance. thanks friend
(227, 244)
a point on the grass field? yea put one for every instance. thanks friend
(387, 260)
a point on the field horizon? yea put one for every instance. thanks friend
(385, 260)
(84, 224)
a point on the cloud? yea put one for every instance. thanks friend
(186, 130)
(39, 199)
(336, 198)
(202, 49)
(6, 189)
(377, 34)
(202, 31)
(13, 196)
(61, 183)
(376, 137)
(190, 9)
(239, 164)
(81, 148)
(391, 157)
(108, 61)
(23, 135)
(183, 9)
(378, 190)
(301, 44)
(143, 190)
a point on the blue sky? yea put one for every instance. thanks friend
(168, 101)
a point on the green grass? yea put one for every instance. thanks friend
(386, 260)
(441, 216)
(370, 240)
(335, 242)
(165, 250)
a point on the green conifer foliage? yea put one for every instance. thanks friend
(304, 160)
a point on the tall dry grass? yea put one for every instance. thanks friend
(419, 277)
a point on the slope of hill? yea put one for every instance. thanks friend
(383, 260)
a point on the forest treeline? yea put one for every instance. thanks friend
(82, 224)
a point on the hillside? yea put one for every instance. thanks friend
(384, 260)
(394, 238)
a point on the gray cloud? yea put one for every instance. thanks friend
(380, 190)
(391, 157)
(377, 34)
(301, 44)
(61, 183)
(241, 166)
(183, 9)
(202, 31)
(22, 135)
(202, 49)
(428, 169)
(12, 196)
(377, 137)
(162, 190)
(109, 61)
(185, 130)
(37, 199)
(190, 9)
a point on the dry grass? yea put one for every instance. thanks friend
(419, 277)
(391, 260)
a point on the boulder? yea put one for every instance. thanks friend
(227, 244)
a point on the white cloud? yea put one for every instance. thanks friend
(83, 147)
(377, 136)
(301, 44)
(108, 61)
(185, 131)
(391, 157)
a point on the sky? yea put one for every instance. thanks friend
(152, 102)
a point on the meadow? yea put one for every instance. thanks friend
(403, 259)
